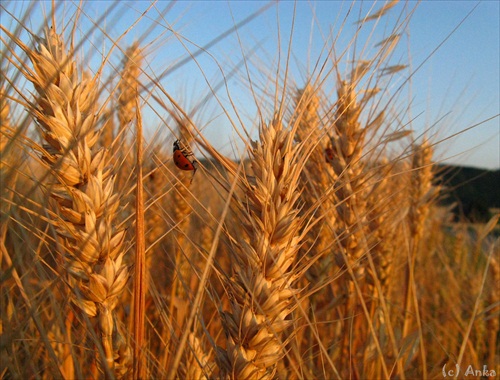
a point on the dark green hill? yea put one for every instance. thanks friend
(476, 191)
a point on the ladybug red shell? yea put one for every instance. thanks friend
(329, 154)
(181, 158)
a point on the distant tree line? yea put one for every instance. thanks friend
(474, 191)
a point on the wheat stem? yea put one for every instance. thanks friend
(140, 278)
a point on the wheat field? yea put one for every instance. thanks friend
(318, 250)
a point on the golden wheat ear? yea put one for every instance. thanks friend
(85, 212)
(263, 291)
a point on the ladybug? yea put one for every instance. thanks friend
(181, 158)
(329, 154)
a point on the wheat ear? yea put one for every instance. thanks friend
(421, 196)
(317, 178)
(90, 246)
(262, 291)
(347, 144)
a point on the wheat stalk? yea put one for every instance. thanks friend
(7, 163)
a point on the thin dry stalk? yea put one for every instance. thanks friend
(7, 166)
(140, 277)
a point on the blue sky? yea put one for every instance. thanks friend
(457, 86)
